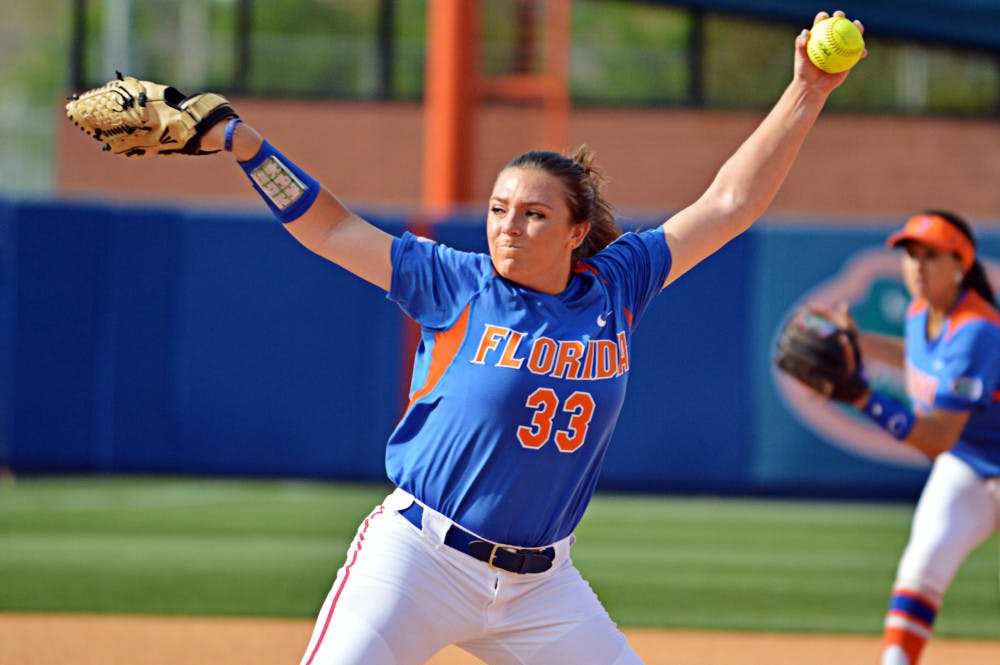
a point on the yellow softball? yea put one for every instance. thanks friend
(835, 44)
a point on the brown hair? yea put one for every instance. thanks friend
(584, 196)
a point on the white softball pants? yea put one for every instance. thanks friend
(403, 595)
(957, 511)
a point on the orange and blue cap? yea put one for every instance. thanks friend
(937, 232)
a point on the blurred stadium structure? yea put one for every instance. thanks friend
(143, 318)
(937, 56)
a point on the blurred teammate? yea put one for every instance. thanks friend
(517, 384)
(951, 355)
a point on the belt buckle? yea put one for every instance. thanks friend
(493, 555)
(488, 551)
(524, 553)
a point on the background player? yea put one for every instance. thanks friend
(518, 382)
(951, 354)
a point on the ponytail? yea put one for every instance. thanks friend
(977, 280)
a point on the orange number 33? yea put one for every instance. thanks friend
(545, 403)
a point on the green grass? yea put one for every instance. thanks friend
(271, 548)
(765, 565)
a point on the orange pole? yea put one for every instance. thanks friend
(557, 106)
(449, 102)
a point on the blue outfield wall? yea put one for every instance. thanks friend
(163, 340)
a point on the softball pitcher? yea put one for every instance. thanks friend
(951, 356)
(518, 381)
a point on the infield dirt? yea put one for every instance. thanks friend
(81, 639)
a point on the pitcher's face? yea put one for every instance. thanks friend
(530, 236)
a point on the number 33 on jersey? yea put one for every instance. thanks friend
(597, 359)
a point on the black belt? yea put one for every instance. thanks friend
(511, 559)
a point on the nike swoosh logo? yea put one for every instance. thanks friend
(602, 319)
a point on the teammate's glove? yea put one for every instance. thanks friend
(135, 118)
(823, 356)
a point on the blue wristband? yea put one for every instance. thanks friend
(287, 189)
(890, 415)
(230, 129)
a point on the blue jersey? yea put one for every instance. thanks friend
(515, 393)
(959, 370)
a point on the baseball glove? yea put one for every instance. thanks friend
(135, 118)
(823, 356)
